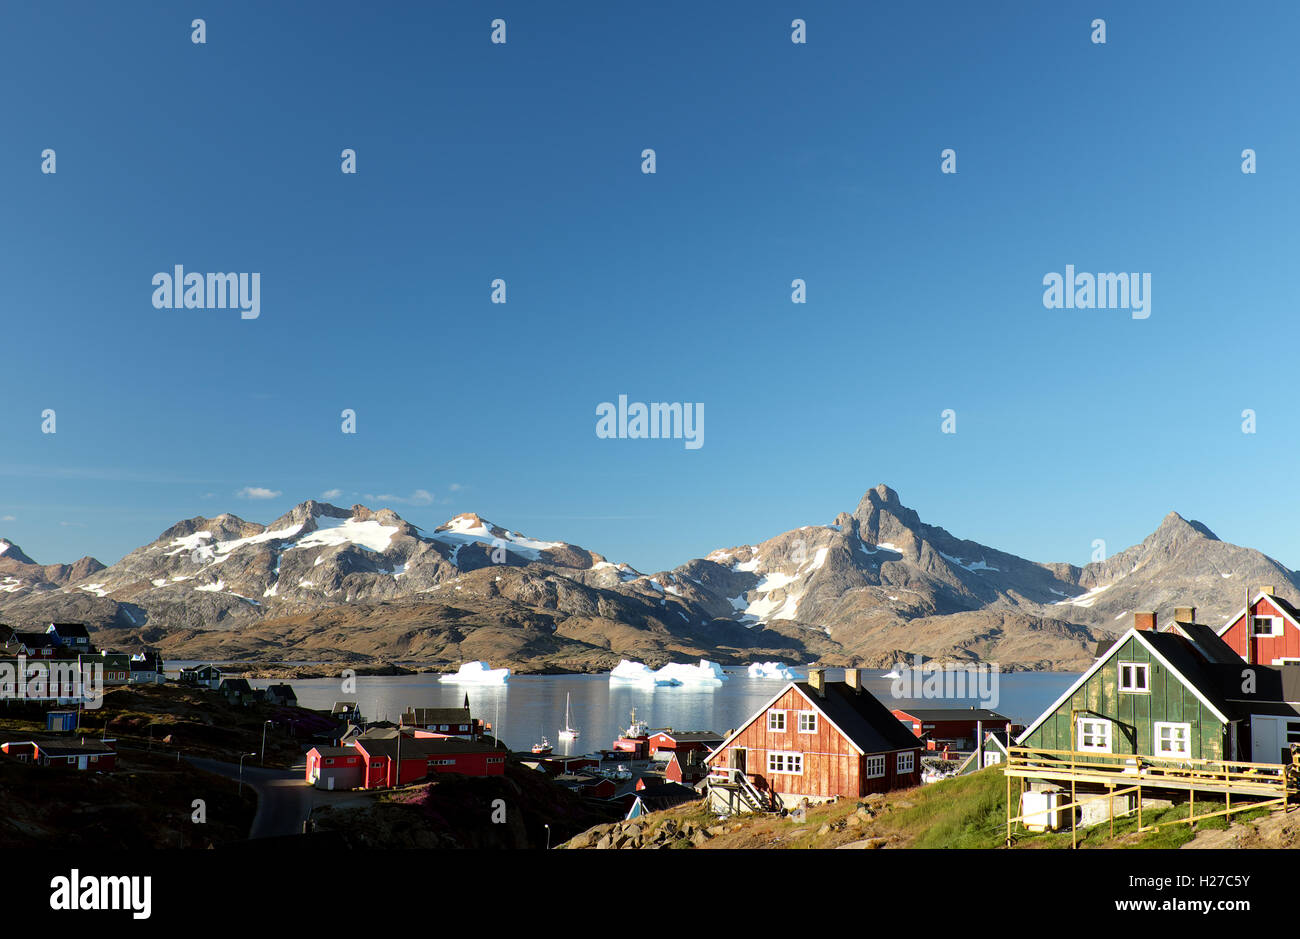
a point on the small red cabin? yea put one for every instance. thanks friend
(957, 728)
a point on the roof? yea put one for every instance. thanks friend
(72, 747)
(235, 684)
(687, 736)
(666, 795)
(437, 716)
(1208, 643)
(35, 640)
(69, 630)
(414, 747)
(954, 714)
(335, 751)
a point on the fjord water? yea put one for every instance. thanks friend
(529, 707)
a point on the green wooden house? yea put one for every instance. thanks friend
(1181, 693)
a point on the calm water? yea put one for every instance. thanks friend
(530, 706)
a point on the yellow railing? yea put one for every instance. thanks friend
(1173, 772)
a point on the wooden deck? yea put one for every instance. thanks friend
(1257, 780)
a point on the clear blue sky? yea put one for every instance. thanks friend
(775, 161)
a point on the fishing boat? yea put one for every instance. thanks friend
(569, 732)
(543, 748)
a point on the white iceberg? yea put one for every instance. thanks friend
(478, 673)
(705, 673)
(640, 673)
(771, 670)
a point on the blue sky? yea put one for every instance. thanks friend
(775, 161)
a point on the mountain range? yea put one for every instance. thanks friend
(874, 587)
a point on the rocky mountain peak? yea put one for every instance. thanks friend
(1175, 527)
(881, 516)
(11, 552)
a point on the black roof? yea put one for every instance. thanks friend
(65, 630)
(868, 723)
(688, 736)
(235, 684)
(1208, 643)
(423, 746)
(956, 714)
(666, 795)
(424, 716)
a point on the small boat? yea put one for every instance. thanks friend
(637, 729)
(543, 748)
(569, 732)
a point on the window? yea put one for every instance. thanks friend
(1094, 735)
(496, 759)
(1173, 739)
(329, 761)
(1266, 626)
(1292, 732)
(442, 726)
(807, 722)
(906, 762)
(776, 720)
(992, 757)
(875, 767)
(790, 764)
(1135, 677)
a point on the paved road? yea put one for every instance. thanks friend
(284, 800)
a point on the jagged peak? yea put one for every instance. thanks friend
(11, 552)
(1174, 524)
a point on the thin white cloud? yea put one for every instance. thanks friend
(257, 492)
(419, 497)
(331, 493)
(8, 518)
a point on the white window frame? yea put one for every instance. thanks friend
(773, 717)
(1286, 660)
(1080, 734)
(1275, 627)
(906, 762)
(1139, 668)
(876, 766)
(812, 722)
(785, 762)
(1158, 745)
(992, 757)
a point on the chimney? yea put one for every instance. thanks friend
(1267, 590)
(817, 680)
(1144, 621)
(853, 678)
(1185, 614)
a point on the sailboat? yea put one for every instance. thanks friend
(569, 732)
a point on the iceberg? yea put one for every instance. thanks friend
(640, 673)
(705, 673)
(478, 673)
(771, 670)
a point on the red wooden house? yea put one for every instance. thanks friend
(958, 728)
(85, 754)
(425, 756)
(814, 740)
(682, 741)
(1264, 632)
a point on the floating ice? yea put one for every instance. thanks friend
(478, 673)
(771, 670)
(641, 673)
